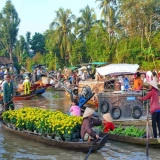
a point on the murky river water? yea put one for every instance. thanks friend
(13, 147)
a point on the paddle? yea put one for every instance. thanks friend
(90, 150)
(147, 154)
(94, 142)
(147, 122)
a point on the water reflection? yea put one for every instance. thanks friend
(15, 147)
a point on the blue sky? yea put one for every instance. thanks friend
(36, 15)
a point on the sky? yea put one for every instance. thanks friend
(36, 15)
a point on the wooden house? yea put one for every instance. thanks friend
(6, 62)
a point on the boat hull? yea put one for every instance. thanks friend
(77, 146)
(40, 91)
(23, 97)
(154, 142)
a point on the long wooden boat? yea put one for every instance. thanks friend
(154, 142)
(78, 146)
(40, 91)
(23, 97)
(59, 89)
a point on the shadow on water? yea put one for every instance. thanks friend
(17, 148)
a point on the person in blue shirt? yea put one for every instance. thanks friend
(126, 83)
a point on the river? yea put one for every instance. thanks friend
(13, 147)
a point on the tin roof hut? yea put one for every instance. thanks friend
(6, 62)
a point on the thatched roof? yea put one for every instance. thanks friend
(5, 60)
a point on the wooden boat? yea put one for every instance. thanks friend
(40, 91)
(58, 89)
(78, 146)
(23, 97)
(154, 142)
(46, 85)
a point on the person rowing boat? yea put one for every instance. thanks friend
(87, 131)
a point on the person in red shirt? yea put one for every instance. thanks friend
(109, 123)
(154, 106)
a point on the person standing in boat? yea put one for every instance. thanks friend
(38, 74)
(138, 83)
(108, 126)
(26, 85)
(8, 93)
(34, 76)
(88, 123)
(154, 106)
(75, 109)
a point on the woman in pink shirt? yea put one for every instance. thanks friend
(75, 109)
(154, 106)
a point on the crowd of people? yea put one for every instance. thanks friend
(88, 132)
(136, 81)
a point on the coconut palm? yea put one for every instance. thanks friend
(85, 22)
(63, 36)
(110, 16)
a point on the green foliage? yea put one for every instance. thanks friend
(38, 43)
(78, 54)
(18, 67)
(9, 22)
(128, 131)
(29, 64)
(56, 95)
(128, 32)
(97, 44)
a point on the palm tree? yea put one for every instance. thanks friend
(63, 36)
(85, 22)
(110, 16)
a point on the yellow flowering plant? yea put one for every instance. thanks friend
(44, 121)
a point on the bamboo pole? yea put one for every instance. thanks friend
(147, 136)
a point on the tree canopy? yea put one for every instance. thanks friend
(128, 31)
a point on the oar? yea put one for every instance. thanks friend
(91, 148)
(147, 122)
(147, 136)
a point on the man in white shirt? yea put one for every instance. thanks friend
(80, 73)
(38, 74)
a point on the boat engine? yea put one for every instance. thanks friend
(86, 92)
(86, 95)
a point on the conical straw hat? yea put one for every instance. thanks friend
(153, 83)
(107, 117)
(88, 112)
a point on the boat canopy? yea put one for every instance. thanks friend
(98, 63)
(118, 69)
(72, 67)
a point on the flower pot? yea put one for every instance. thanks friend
(73, 136)
(35, 132)
(49, 136)
(77, 134)
(19, 129)
(68, 137)
(9, 125)
(57, 138)
(14, 127)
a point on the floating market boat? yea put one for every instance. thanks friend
(40, 90)
(24, 97)
(69, 145)
(59, 89)
(21, 97)
(154, 142)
